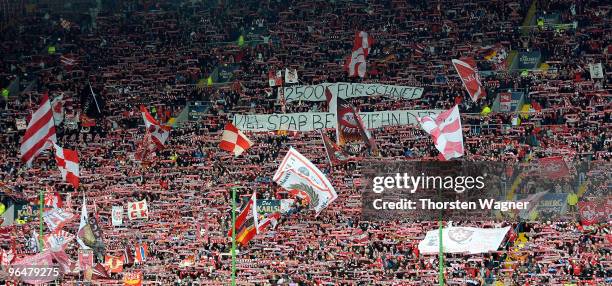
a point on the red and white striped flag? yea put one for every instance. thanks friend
(468, 73)
(67, 60)
(68, 164)
(356, 63)
(445, 129)
(40, 130)
(234, 141)
(159, 133)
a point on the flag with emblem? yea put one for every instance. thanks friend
(57, 218)
(114, 263)
(159, 133)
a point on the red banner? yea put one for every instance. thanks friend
(553, 167)
(595, 211)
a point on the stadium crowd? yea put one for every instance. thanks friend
(161, 55)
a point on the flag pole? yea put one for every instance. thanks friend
(440, 255)
(94, 96)
(41, 202)
(234, 236)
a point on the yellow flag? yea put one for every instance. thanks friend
(485, 111)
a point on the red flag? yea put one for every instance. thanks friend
(553, 167)
(249, 211)
(445, 130)
(132, 279)
(350, 127)
(85, 259)
(468, 73)
(68, 164)
(114, 263)
(98, 271)
(335, 155)
(233, 140)
(275, 79)
(159, 133)
(355, 64)
(142, 251)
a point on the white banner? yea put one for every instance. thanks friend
(138, 210)
(349, 90)
(463, 240)
(304, 180)
(56, 218)
(117, 215)
(310, 121)
(596, 70)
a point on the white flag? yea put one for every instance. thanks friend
(304, 180)
(291, 76)
(138, 210)
(82, 224)
(470, 240)
(596, 70)
(117, 215)
(57, 218)
(57, 106)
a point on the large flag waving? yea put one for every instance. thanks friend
(356, 63)
(468, 73)
(68, 164)
(445, 130)
(249, 211)
(335, 155)
(84, 230)
(57, 218)
(305, 181)
(234, 141)
(159, 133)
(350, 127)
(254, 227)
(40, 130)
